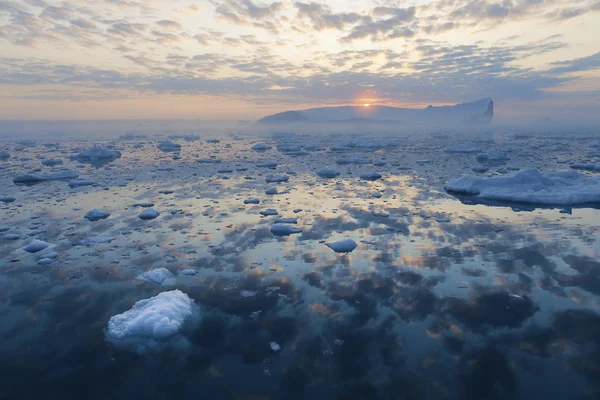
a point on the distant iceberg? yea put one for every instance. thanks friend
(477, 112)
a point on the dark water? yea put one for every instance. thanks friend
(442, 299)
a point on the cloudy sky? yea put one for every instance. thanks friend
(242, 59)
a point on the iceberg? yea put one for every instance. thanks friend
(35, 246)
(530, 186)
(476, 112)
(158, 276)
(151, 323)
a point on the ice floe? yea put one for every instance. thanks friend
(152, 323)
(101, 239)
(51, 162)
(252, 201)
(148, 214)
(370, 176)
(158, 276)
(328, 173)
(35, 246)
(277, 178)
(493, 155)
(343, 246)
(97, 153)
(96, 215)
(462, 148)
(169, 146)
(7, 199)
(51, 176)
(284, 230)
(531, 186)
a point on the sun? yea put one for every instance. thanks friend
(366, 105)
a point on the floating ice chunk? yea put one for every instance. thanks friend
(144, 205)
(51, 162)
(286, 221)
(248, 293)
(35, 246)
(370, 176)
(252, 201)
(271, 191)
(169, 146)
(96, 240)
(208, 161)
(7, 199)
(45, 261)
(225, 171)
(12, 236)
(52, 254)
(531, 186)
(261, 147)
(462, 148)
(52, 176)
(4, 155)
(267, 165)
(277, 178)
(166, 191)
(343, 246)
(151, 323)
(284, 230)
(97, 153)
(480, 169)
(586, 166)
(493, 155)
(96, 215)
(353, 160)
(81, 182)
(442, 219)
(376, 195)
(149, 213)
(328, 173)
(338, 342)
(158, 275)
(188, 272)
(268, 212)
(275, 346)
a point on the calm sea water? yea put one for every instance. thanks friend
(443, 298)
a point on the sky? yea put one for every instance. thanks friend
(243, 59)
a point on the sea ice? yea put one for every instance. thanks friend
(252, 201)
(286, 221)
(97, 153)
(328, 173)
(370, 176)
(51, 176)
(275, 346)
(586, 166)
(51, 162)
(35, 246)
(284, 230)
(268, 212)
(493, 155)
(158, 275)
(188, 272)
(12, 236)
(150, 323)
(96, 215)
(7, 199)
(96, 240)
(261, 147)
(277, 178)
(462, 148)
(531, 186)
(343, 246)
(80, 183)
(149, 213)
(169, 146)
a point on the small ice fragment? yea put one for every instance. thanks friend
(96, 215)
(12, 236)
(275, 346)
(252, 201)
(285, 221)
(188, 272)
(7, 199)
(35, 246)
(148, 214)
(343, 246)
(284, 230)
(158, 275)
(277, 178)
(248, 293)
(268, 212)
(328, 173)
(370, 176)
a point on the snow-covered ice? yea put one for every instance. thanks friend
(277, 178)
(169, 146)
(150, 323)
(7, 199)
(158, 276)
(97, 153)
(531, 186)
(493, 155)
(51, 176)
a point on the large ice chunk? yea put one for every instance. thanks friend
(531, 186)
(151, 323)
